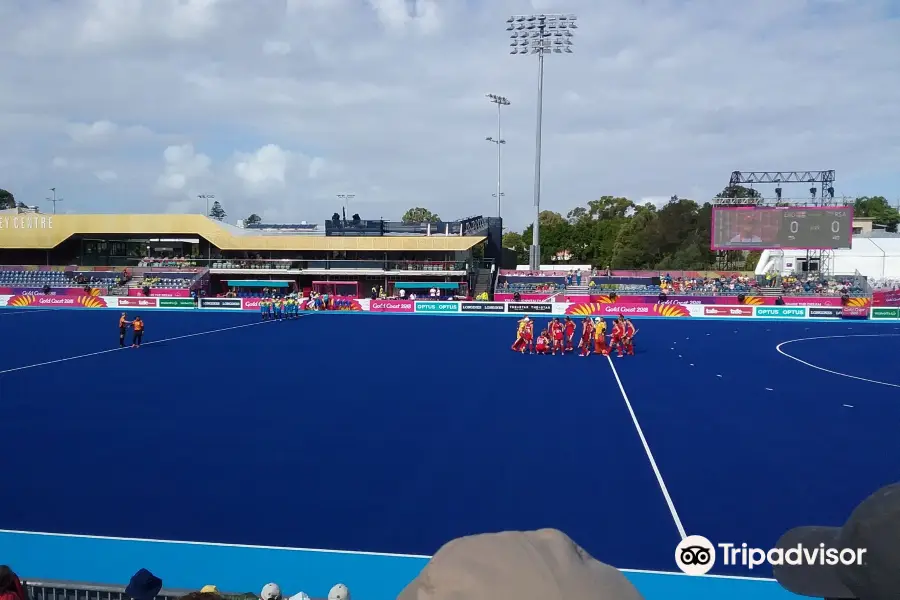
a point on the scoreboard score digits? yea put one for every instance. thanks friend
(772, 228)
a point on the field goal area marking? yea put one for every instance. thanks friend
(833, 337)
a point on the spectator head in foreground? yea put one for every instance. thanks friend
(517, 565)
(874, 526)
(10, 585)
(270, 591)
(144, 585)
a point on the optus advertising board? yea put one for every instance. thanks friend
(780, 312)
(437, 307)
(886, 313)
(392, 306)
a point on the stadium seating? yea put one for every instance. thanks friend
(172, 281)
(58, 279)
(29, 279)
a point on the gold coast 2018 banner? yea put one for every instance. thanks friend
(57, 301)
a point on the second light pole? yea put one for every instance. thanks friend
(500, 101)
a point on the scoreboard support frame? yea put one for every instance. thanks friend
(821, 194)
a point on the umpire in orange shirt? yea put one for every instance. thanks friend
(138, 326)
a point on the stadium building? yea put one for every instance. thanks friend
(170, 254)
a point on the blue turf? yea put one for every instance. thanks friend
(744, 463)
(394, 434)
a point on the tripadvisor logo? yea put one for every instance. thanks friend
(696, 555)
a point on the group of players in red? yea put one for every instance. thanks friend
(560, 337)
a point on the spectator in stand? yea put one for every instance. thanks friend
(144, 585)
(10, 585)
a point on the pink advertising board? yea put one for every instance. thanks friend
(161, 293)
(74, 291)
(392, 306)
(690, 299)
(891, 298)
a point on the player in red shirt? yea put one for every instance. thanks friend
(617, 339)
(529, 335)
(569, 330)
(587, 336)
(628, 337)
(556, 336)
(543, 343)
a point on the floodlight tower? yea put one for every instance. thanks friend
(540, 35)
(500, 101)
(53, 199)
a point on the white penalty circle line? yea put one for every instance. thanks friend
(117, 349)
(653, 465)
(838, 373)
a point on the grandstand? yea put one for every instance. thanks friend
(179, 254)
(583, 282)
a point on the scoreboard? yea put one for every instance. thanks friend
(805, 228)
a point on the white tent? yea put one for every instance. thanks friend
(874, 257)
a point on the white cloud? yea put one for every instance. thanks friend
(385, 98)
(264, 169)
(183, 166)
(106, 176)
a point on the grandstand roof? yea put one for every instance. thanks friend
(29, 231)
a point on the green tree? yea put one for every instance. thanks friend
(253, 219)
(217, 212)
(514, 241)
(752, 259)
(877, 209)
(419, 215)
(7, 200)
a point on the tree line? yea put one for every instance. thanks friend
(616, 232)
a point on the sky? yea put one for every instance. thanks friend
(278, 106)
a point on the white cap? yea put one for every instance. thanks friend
(300, 596)
(270, 591)
(339, 592)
